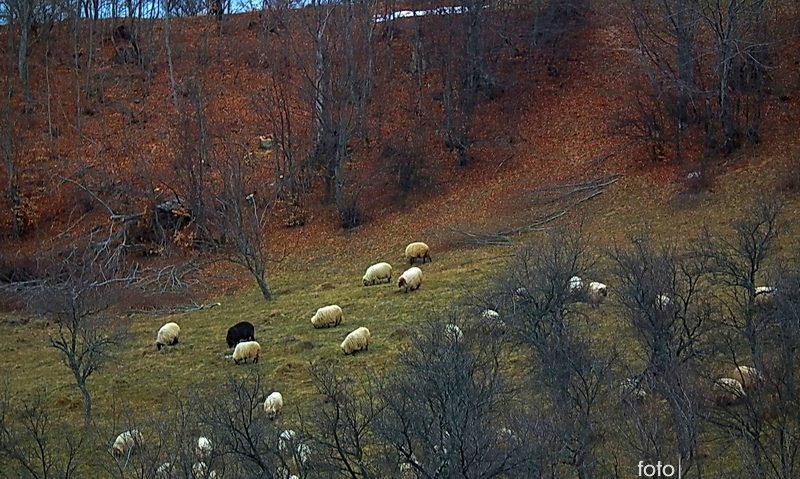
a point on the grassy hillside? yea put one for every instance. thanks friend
(143, 376)
(543, 132)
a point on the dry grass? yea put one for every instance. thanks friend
(144, 377)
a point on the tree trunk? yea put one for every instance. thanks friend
(12, 181)
(75, 50)
(685, 39)
(724, 71)
(262, 285)
(25, 20)
(87, 404)
(168, 45)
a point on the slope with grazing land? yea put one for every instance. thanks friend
(562, 132)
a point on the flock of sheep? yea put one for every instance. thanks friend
(241, 337)
(727, 391)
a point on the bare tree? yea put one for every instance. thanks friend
(342, 429)
(12, 177)
(543, 316)
(191, 163)
(739, 264)
(77, 294)
(450, 410)
(22, 12)
(676, 36)
(33, 444)
(242, 219)
(241, 430)
(339, 84)
(740, 41)
(662, 297)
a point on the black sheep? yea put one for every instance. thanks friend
(239, 332)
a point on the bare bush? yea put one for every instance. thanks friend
(663, 299)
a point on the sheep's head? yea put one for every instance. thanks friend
(401, 283)
(364, 281)
(159, 346)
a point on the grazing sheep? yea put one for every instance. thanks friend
(575, 284)
(521, 294)
(203, 449)
(246, 350)
(411, 279)
(632, 387)
(597, 293)
(750, 377)
(127, 442)
(728, 392)
(418, 250)
(285, 439)
(239, 332)
(407, 468)
(303, 452)
(273, 405)
(164, 471)
(490, 314)
(507, 437)
(327, 316)
(453, 332)
(663, 301)
(167, 335)
(356, 341)
(764, 295)
(377, 273)
(200, 471)
(283, 473)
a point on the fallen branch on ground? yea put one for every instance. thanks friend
(504, 237)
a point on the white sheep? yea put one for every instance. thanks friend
(575, 284)
(418, 250)
(507, 436)
(490, 314)
(246, 350)
(283, 473)
(285, 439)
(663, 301)
(632, 387)
(453, 333)
(303, 452)
(521, 294)
(203, 449)
(356, 341)
(750, 377)
(377, 273)
(273, 405)
(164, 471)
(200, 471)
(764, 295)
(728, 391)
(327, 316)
(167, 335)
(597, 293)
(411, 279)
(127, 442)
(407, 468)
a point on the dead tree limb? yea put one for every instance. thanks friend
(504, 237)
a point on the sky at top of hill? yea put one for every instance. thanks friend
(110, 9)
